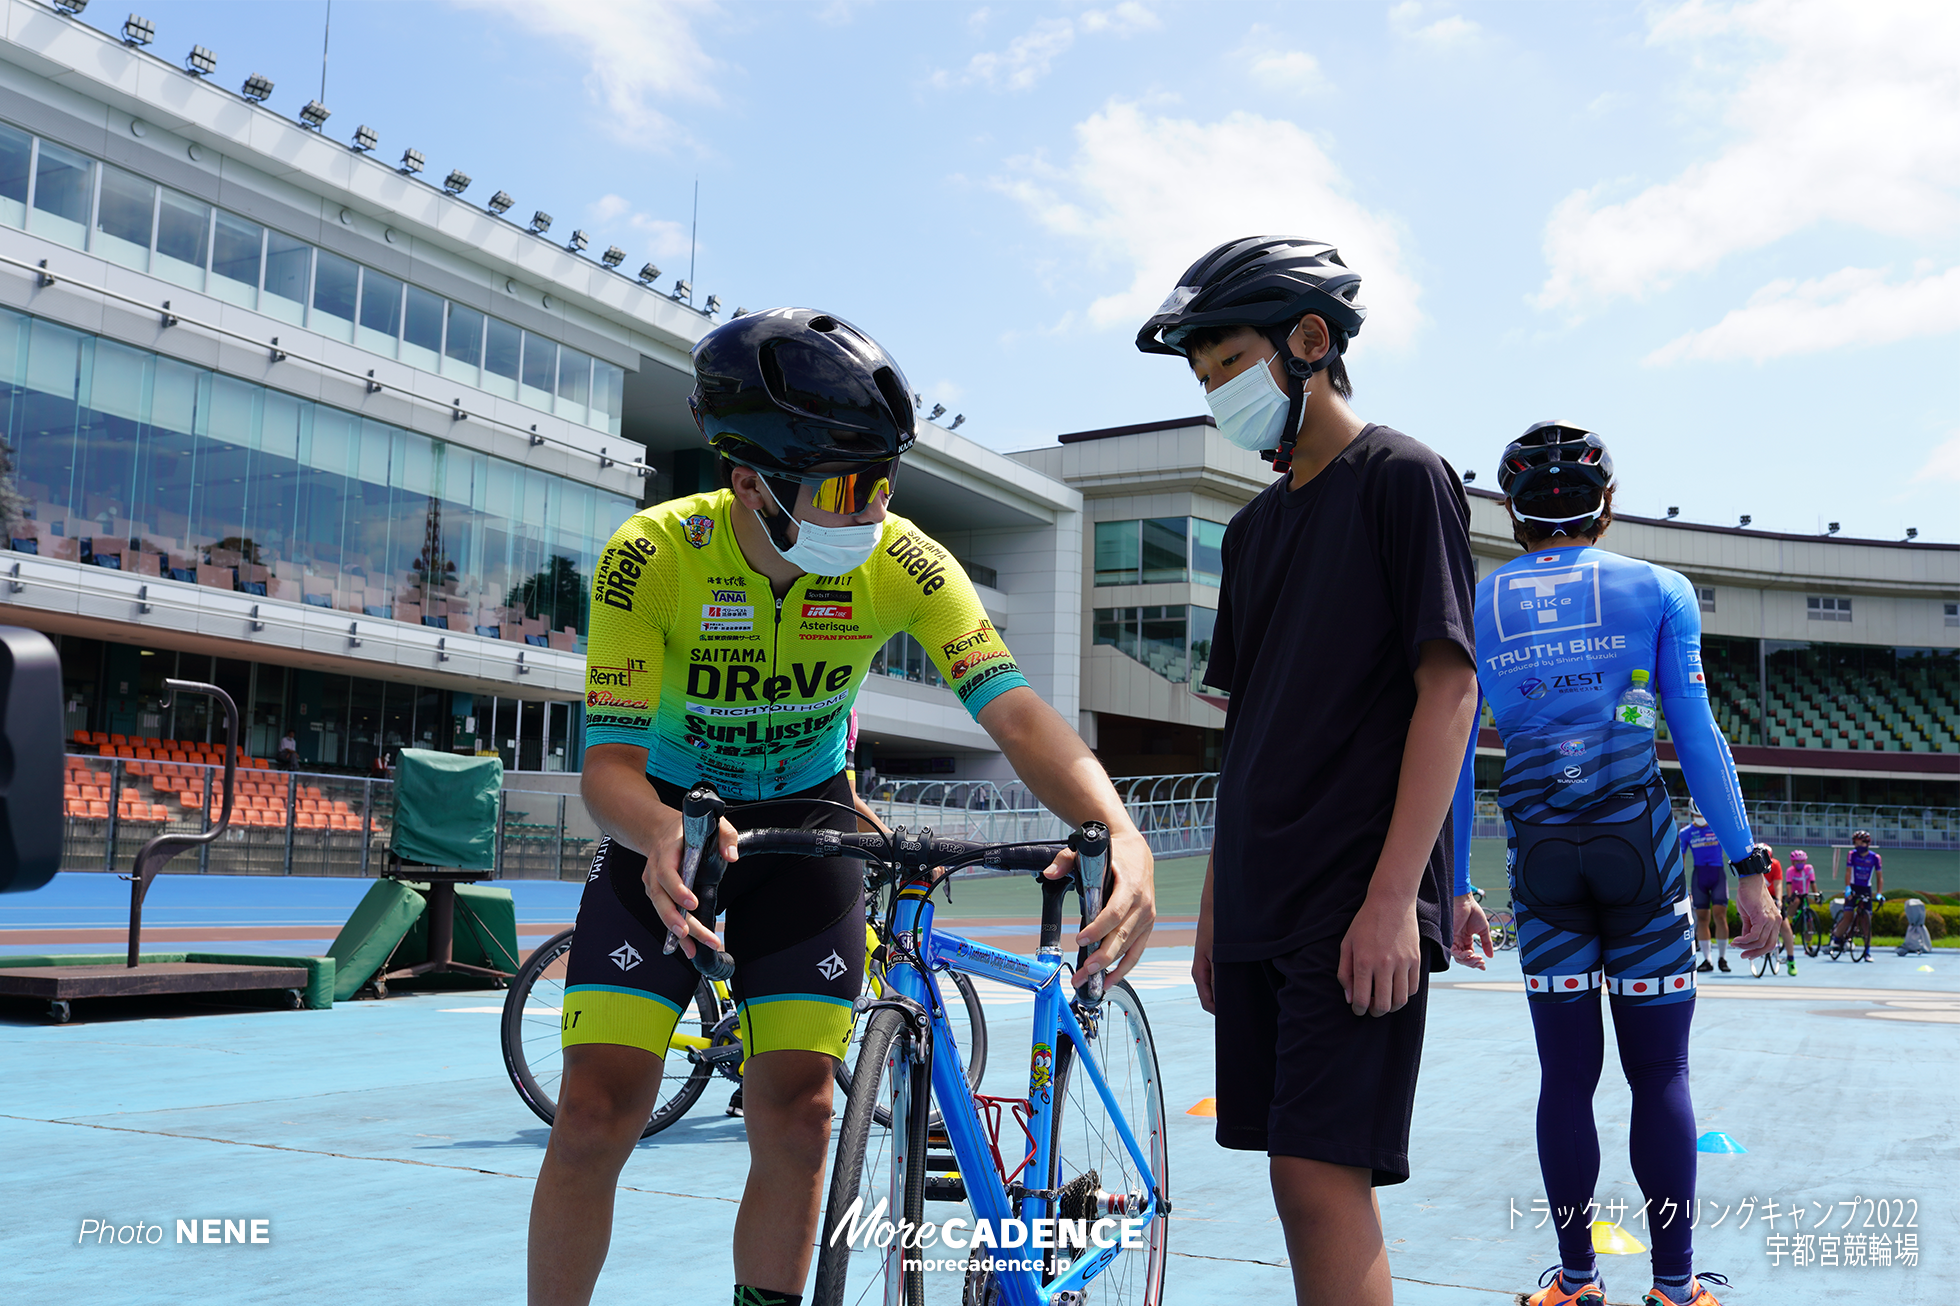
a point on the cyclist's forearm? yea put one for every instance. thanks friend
(1053, 762)
(623, 805)
(1432, 759)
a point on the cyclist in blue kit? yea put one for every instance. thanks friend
(1568, 638)
(1710, 888)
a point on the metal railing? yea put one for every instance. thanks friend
(550, 836)
(308, 824)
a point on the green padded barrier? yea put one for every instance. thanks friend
(485, 932)
(446, 809)
(387, 912)
(319, 970)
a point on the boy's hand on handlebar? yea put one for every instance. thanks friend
(671, 899)
(1121, 930)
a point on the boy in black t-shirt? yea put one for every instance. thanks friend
(1344, 639)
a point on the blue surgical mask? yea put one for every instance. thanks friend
(1250, 409)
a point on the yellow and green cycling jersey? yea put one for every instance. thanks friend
(692, 657)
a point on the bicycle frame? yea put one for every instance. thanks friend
(1054, 1019)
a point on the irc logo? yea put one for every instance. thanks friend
(1532, 604)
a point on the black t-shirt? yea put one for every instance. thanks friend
(1327, 596)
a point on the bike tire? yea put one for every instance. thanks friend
(870, 1164)
(530, 1032)
(1085, 1151)
(1811, 944)
(1867, 913)
(973, 1052)
(1763, 964)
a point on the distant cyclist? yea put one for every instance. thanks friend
(1711, 887)
(1569, 637)
(731, 631)
(1799, 886)
(1864, 880)
(1773, 881)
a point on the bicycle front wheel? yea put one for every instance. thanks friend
(1808, 926)
(1089, 1164)
(967, 1020)
(879, 1176)
(534, 1054)
(1763, 964)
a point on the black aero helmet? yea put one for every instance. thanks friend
(1268, 283)
(1557, 473)
(788, 389)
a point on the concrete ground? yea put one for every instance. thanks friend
(391, 1159)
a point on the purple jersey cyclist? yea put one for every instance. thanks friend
(1709, 889)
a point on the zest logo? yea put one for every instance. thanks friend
(836, 611)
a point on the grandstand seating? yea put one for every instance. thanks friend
(172, 790)
(1815, 705)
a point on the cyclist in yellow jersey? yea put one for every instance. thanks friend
(730, 633)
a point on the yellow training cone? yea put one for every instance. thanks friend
(1206, 1106)
(1613, 1240)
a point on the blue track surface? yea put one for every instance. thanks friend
(388, 1151)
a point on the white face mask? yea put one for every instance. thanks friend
(1250, 408)
(826, 550)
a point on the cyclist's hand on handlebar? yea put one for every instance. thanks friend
(1121, 931)
(662, 878)
(1471, 926)
(1381, 957)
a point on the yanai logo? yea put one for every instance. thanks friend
(731, 596)
(1533, 688)
(1530, 605)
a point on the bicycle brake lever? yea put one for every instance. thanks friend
(1092, 850)
(700, 819)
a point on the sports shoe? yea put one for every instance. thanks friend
(1707, 965)
(1553, 1292)
(1724, 964)
(1698, 1296)
(735, 1103)
(1792, 958)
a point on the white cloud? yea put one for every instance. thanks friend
(608, 207)
(1029, 56)
(1405, 21)
(1943, 464)
(665, 238)
(1851, 307)
(1144, 196)
(1280, 69)
(1838, 111)
(639, 52)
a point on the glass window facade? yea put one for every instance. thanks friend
(903, 658)
(1158, 549)
(125, 459)
(67, 196)
(1173, 640)
(112, 694)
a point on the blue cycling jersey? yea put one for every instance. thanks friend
(1701, 843)
(1560, 633)
(1863, 861)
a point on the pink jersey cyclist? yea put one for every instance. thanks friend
(1800, 877)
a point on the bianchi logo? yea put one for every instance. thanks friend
(626, 955)
(832, 966)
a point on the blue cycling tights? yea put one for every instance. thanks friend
(1653, 1042)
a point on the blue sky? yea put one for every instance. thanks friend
(1727, 236)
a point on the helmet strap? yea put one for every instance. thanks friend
(1298, 372)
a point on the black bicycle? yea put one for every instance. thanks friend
(1854, 918)
(1807, 923)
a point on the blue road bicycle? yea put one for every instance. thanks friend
(1085, 1147)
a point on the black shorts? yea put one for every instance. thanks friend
(1299, 1074)
(795, 926)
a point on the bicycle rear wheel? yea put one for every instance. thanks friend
(1089, 1164)
(533, 1051)
(879, 1175)
(1503, 930)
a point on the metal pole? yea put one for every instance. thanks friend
(558, 865)
(367, 822)
(204, 849)
(115, 802)
(497, 862)
(292, 795)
